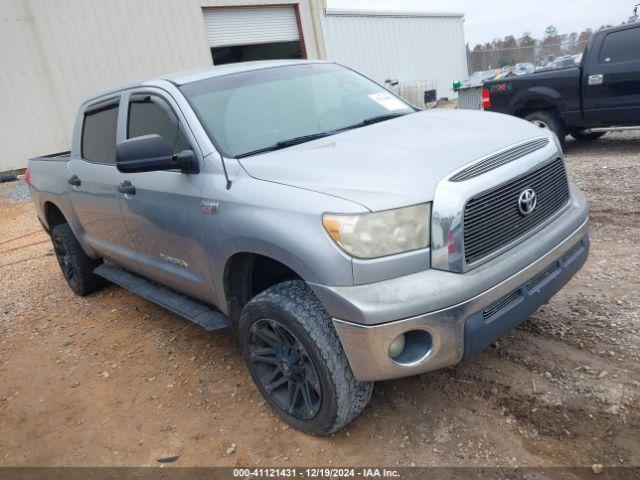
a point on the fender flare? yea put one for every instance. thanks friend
(538, 93)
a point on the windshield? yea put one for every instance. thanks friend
(266, 109)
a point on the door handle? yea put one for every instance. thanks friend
(126, 188)
(75, 181)
(595, 79)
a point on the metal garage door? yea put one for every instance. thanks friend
(250, 25)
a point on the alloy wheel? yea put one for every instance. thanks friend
(284, 370)
(65, 262)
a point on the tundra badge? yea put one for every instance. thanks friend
(174, 260)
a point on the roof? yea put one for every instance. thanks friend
(188, 76)
(180, 78)
(390, 13)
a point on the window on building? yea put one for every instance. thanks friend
(149, 114)
(99, 135)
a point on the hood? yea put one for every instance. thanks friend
(393, 163)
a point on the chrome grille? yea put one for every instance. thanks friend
(498, 159)
(492, 219)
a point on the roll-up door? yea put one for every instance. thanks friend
(253, 33)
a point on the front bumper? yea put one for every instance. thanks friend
(479, 306)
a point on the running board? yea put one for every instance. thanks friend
(193, 311)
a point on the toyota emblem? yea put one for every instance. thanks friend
(527, 201)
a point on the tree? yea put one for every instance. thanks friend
(584, 36)
(527, 40)
(550, 32)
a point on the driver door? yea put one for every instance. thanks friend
(163, 209)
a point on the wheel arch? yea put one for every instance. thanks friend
(248, 273)
(53, 215)
(536, 99)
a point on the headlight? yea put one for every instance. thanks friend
(556, 140)
(377, 234)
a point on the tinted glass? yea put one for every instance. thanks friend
(99, 135)
(622, 46)
(152, 115)
(251, 110)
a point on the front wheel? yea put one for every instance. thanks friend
(549, 120)
(295, 358)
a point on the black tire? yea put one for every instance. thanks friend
(292, 313)
(581, 136)
(76, 266)
(549, 119)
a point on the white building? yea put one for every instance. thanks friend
(57, 53)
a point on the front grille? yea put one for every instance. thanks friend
(492, 219)
(498, 305)
(499, 159)
(540, 277)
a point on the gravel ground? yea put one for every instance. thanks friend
(111, 379)
(14, 192)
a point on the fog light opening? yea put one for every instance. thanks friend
(410, 347)
(397, 346)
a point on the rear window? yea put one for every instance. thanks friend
(622, 46)
(99, 135)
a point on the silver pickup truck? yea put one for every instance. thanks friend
(344, 236)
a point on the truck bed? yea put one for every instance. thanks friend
(58, 157)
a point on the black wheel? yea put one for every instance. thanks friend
(76, 266)
(295, 358)
(548, 119)
(582, 136)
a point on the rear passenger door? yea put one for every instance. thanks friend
(612, 80)
(164, 216)
(92, 178)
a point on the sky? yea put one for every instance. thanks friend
(486, 20)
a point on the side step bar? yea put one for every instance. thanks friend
(193, 311)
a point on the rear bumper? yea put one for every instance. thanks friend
(479, 306)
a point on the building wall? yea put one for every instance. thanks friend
(57, 53)
(413, 46)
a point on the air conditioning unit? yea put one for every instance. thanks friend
(421, 93)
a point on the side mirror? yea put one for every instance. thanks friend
(150, 153)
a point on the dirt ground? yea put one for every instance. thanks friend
(111, 379)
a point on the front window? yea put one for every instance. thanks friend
(261, 110)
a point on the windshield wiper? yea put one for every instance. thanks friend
(377, 119)
(314, 136)
(288, 143)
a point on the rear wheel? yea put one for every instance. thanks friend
(582, 136)
(77, 267)
(295, 358)
(549, 120)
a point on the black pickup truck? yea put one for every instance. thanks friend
(602, 94)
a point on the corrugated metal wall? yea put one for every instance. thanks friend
(406, 48)
(470, 98)
(56, 53)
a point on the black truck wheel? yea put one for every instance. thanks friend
(295, 358)
(77, 267)
(582, 136)
(550, 120)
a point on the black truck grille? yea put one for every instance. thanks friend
(492, 219)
